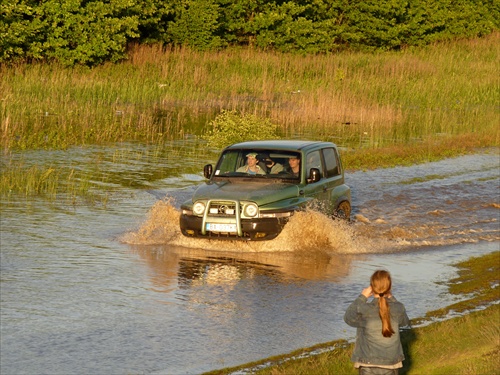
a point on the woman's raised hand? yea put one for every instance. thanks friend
(367, 292)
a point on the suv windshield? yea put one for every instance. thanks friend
(259, 164)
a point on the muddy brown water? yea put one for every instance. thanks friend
(118, 290)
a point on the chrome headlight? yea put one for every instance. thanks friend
(199, 208)
(251, 210)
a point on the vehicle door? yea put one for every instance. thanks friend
(316, 189)
(332, 177)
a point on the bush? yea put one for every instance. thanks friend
(68, 31)
(230, 127)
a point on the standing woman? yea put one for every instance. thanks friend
(378, 348)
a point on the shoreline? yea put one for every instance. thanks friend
(483, 303)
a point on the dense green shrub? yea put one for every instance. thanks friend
(231, 127)
(154, 18)
(93, 31)
(195, 25)
(69, 31)
(20, 30)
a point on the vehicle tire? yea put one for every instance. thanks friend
(343, 211)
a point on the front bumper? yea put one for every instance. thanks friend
(259, 229)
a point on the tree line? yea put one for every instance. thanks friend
(91, 32)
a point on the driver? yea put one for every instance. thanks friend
(251, 166)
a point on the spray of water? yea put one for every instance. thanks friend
(311, 232)
(307, 231)
(160, 227)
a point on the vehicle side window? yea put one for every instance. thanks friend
(331, 162)
(229, 162)
(314, 161)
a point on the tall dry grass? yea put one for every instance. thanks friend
(355, 99)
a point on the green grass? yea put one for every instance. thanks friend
(49, 182)
(382, 109)
(465, 345)
(469, 344)
(479, 279)
(97, 175)
(358, 100)
(411, 154)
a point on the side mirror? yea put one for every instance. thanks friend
(314, 175)
(207, 171)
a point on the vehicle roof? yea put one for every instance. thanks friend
(281, 144)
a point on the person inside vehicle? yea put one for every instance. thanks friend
(251, 167)
(272, 166)
(294, 163)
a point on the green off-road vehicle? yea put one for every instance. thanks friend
(257, 186)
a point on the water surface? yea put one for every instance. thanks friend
(116, 289)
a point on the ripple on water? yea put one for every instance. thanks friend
(75, 299)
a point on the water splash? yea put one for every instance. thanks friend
(160, 227)
(380, 226)
(307, 231)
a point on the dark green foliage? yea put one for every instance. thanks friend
(69, 31)
(437, 20)
(154, 17)
(195, 25)
(287, 28)
(20, 30)
(375, 24)
(94, 31)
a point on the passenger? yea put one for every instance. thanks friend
(378, 348)
(272, 166)
(251, 167)
(294, 162)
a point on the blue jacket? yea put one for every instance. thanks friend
(371, 346)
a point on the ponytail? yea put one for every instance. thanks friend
(381, 284)
(385, 315)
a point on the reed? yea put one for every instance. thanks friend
(52, 182)
(383, 109)
(95, 174)
(356, 99)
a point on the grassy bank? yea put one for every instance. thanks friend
(469, 344)
(383, 109)
(358, 100)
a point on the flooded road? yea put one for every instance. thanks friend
(118, 290)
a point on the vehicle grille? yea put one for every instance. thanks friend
(222, 209)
